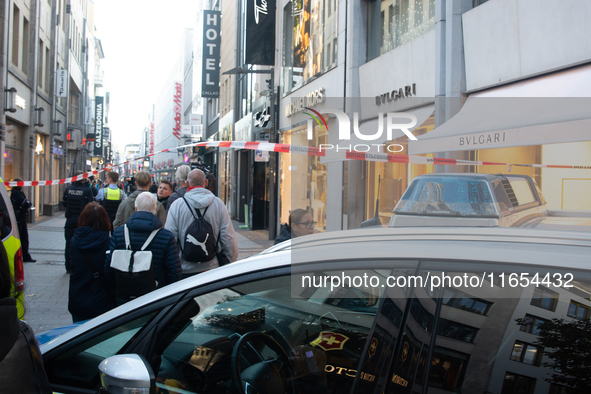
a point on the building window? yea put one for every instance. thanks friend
(447, 369)
(395, 22)
(309, 38)
(545, 299)
(532, 324)
(47, 70)
(455, 330)
(16, 17)
(518, 384)
(73, 113)
(40, 65)
(460, 300)
(526, 353)
(579, 311)
(25, 62)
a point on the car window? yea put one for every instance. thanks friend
(323, 331)
(492, 328)
(78, 366)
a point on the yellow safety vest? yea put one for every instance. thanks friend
(112, 194)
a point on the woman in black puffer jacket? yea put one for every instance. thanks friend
(165, 255)
(90, 295)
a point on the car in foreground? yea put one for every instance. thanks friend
(395, 310)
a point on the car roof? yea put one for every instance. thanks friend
(551, 249)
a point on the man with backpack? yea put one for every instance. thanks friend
(110, 197)
(201, 224)
(142, 255)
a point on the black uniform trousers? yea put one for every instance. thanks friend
(24, 235)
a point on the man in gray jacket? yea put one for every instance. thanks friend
(180, 218)
(143, 180)
(181, 175)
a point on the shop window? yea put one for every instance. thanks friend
(526, 353)
(579, 311)
(518, 384)
(309, 41)
(532, 324)
(545, 299)
(395, 22)
(16, 18)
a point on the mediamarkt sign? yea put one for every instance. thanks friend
(177, 109)
(151, 138)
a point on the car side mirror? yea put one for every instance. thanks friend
(127, 374)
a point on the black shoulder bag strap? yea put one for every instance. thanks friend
(98, 277)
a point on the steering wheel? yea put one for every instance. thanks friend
(269, 376)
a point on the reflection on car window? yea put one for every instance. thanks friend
(79, 366)
(526, 336)
(323, 334)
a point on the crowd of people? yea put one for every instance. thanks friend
(123, 222)
(180, 229)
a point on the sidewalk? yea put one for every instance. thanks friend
(46, 281)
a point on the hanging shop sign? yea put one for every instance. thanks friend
(88, 114)
(61, 89)
(98, 126)
(176, 107)
(260, 32)
(210, 59)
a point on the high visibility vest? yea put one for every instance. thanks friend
(111, 200)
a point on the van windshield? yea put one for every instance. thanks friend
(447, 196)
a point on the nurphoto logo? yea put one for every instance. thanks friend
(389, 122)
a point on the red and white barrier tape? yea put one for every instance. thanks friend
(310, 151)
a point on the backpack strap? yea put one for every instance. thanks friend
(126, 233)
(199, 214)
(150, 238)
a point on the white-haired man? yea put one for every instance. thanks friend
(183, 212)
(181, 176)
(165, 256)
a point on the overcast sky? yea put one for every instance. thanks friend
(141, 40)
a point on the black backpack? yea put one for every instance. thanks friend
(199, 245)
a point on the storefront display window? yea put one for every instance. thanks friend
(303, 178)
(310, 45)
(224, 183)
(395, 22)
(13, 159)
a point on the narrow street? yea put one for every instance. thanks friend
(46, 281)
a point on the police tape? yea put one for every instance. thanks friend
(328, 153)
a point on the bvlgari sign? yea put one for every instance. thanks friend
(260, 32)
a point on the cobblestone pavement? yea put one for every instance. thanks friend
(46, 281)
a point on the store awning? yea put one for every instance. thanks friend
(551, 109)
(371, 126)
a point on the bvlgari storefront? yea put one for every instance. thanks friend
(543, 120)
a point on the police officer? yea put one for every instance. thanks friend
(110, 197)
(76, 197)
(21, 205)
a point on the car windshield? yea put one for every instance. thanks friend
(447, 196)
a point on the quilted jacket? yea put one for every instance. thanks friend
(165, 255)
